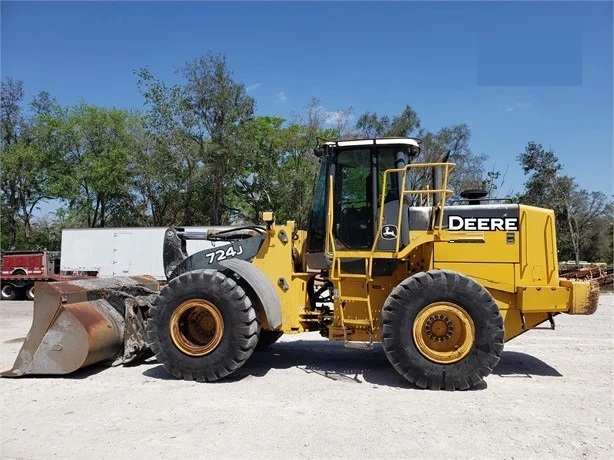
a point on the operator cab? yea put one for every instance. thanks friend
(357, 168)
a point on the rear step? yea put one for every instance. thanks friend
(359, 345)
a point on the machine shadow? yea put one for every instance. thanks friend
(516, 364)
(335, 362)
(330, 360)
(157, 371)
(79, 374)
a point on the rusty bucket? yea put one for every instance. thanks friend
(79, 322)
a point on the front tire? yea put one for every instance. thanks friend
(202, 326)
(442, 330)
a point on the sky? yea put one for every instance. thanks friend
(513, 71)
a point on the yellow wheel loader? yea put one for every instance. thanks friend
(441, 285)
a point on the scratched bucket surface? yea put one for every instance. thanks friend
(74, 325)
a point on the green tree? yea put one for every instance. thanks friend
(372, 125)
(299, 166)
(24, 181)
(219, 108)
(262, 189)
(583, 218)
(169, 171)
(92, 175)
(469, 170)
(282, 167)
(203, 120)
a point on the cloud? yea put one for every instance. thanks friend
(517, 106)
(281, 96)
(253, 87)
(335, 117)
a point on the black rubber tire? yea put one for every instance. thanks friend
(268, 338)
(30, 292)
(415, 293)
(19, 272)
(9, 292)
(240, 326)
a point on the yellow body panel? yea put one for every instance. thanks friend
(498, 276)
(276, 261)
(538, 258)
(532, 299)
(480, 247)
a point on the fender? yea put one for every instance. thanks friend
(262, 287)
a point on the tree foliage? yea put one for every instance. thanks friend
(203, 120)
(280, 163)
(90, 174)
(583, 218)
(24, 166)
(372, 125)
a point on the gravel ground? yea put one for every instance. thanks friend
(551, 396)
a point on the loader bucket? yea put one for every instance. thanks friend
(77, 323)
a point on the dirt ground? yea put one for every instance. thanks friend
(550, 397)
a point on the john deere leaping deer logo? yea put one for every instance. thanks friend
(389, 232)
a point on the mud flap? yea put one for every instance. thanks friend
(82, 322)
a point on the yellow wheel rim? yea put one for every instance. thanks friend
(444, 332)
(196, 327)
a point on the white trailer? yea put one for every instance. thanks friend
(121, 251)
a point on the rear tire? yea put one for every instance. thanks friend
(268, 338)
(202, 326)
(442, 330)
(30, 292)
(8, 292)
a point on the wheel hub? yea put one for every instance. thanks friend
(196, 327)
(444, 332)
(439, 328)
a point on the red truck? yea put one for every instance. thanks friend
(21, 269)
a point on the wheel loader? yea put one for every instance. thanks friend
(442, 285)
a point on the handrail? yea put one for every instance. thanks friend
(330, 236)
(442, 194)
(438, 202)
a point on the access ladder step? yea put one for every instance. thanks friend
(347, 298)
(357, 276)
(357, 322)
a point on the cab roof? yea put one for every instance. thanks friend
(376, 141)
